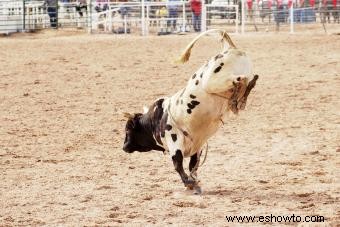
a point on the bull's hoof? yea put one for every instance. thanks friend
(197, 190)
(190, 187)
(190, 183)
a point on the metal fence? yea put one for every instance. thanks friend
(156, 18)
(29, 15)
(149, 17)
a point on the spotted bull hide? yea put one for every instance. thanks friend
(182, 124)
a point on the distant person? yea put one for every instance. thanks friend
(250, 9)
(101, 5)
(52, 12)
(239, 3)
(196, 8)
(123, 10)
(162, 13)
(173, 13)
(81, 7)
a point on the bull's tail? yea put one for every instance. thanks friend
(225, 37)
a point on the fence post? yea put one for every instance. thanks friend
(292, 19)
(237, 19)
(204, 17)
(110, 19)
(125, 25)
(23, 16)
(143, 18)
(89, 17)
(243, 16)
(184, 19)
(147, 19)
(56, 15)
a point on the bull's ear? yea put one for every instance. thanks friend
(128, 115)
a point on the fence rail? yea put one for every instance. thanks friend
(146, 17)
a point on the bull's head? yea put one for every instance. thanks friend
(138, 136)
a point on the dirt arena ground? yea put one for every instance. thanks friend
(62, 98)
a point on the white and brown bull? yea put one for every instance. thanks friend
(182, 124)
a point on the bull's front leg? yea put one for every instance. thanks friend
(177, 159)
(175, 140)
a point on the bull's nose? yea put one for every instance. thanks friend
(127, 149)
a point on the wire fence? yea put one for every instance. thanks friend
(161, 18)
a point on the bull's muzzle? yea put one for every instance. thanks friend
(127, 148)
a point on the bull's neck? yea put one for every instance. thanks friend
(147, 124)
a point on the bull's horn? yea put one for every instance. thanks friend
(186, 54)
(145, 109)
(128, 115)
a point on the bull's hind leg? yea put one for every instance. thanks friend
(193, 161)
(193, 167)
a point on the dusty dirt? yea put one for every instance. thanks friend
(62, 98)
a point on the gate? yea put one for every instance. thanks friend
(222, 16)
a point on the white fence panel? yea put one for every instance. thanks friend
(222, 16)
(118, 18)
(11, 16)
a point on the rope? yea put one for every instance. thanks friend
(206, 154)
(198, 164)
